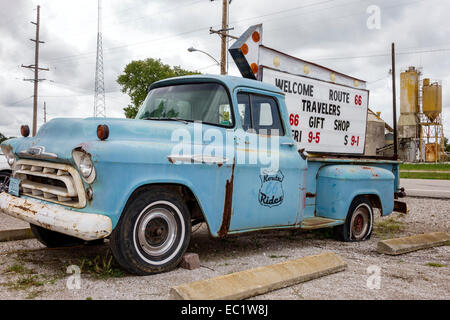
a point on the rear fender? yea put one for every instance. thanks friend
(338, 185)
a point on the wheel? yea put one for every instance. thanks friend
(359, 222)
(52, 239)
(153, 232)
(4, 181)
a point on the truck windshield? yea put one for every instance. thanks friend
(205, 102)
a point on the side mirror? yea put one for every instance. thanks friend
(303, 153)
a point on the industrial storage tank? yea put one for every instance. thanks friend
(409, 91)
(409, 104)
(432, 99)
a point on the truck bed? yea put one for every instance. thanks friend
(315, 163)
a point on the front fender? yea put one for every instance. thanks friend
(338, 185)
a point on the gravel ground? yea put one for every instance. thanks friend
(28, 270)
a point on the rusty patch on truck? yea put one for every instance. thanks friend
(371, 171)
(227, 206)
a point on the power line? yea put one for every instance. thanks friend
(18, 101)
(382, 54)
(181, 34)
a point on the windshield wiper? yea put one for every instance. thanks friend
(167, 119)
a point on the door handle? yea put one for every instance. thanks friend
(289, 144)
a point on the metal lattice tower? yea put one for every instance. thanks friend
(99, 95)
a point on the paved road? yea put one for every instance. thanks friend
(426, 187)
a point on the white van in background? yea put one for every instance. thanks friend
(5, 171)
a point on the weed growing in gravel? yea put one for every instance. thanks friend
(435, 265)
(34, 294)
(273, 256)
(387, 228)
(19, 269)
(101, 267)
(24, 283)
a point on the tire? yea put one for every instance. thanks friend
(52, 239)
(4, 181)
(153, 232)
(358, 224)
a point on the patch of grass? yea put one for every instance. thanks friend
(273, 256)
(24, 283)
(425, 175)
(407, 278)
(101, 267)
(388, 228)
(425, 166)
(19, 269)
(34, 294)
(435, 265)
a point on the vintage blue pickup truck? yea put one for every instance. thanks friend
(213, 149)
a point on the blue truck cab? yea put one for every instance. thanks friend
(213, 149)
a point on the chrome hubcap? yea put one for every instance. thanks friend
(157, 231)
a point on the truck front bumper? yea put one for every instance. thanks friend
(86, 226)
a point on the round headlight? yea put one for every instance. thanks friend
(86, 166)
(10, 160)
(9, 155)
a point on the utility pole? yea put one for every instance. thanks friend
(394, 104)
(223, 53)
(36, 70)
(223, 35)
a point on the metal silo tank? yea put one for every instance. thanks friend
(409, 106)
(432, 99)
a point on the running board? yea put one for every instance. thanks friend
(319, 222)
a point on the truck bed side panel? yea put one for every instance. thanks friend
(338, 185)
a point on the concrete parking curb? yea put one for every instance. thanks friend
(16, 234)
(249, 283)
(413, 243)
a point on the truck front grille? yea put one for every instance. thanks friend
(54, 182)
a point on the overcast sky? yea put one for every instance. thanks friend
(331, 33)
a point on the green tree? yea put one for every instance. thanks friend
(2, 137)
(139, 75)
(447, 146)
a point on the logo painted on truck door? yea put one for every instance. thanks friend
(271, 193)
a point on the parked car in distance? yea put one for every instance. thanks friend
(5, 171)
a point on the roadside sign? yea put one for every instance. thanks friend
(327, 109)
(325, 117)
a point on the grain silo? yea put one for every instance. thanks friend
(408, 122)
(432, 128)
